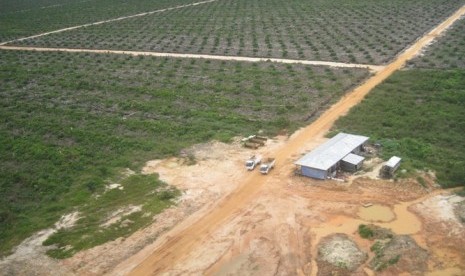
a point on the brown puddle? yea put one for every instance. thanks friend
(406, 223)
(376, 213)
(401, 222)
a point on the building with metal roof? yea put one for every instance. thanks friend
(393, 162)
(325, 159)
(390, 167)
(352, 162)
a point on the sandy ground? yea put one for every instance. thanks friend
(276, 233)
(29, 257)
(183, 247)
(233, 222)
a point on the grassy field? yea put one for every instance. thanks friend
(418, 115)
(28, 17)
(72, 123)
(361, 31)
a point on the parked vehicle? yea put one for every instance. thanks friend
(254, 141)
(252, 162)
(267, 165)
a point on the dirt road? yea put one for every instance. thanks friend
(108, 21)
(184, 241)
(197, 56)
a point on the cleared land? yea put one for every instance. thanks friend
(356, 32)
(70, 122)
(81, 119)
(185, 241)
(25, 17)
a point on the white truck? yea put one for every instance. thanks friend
(252, 162)
(267, 165)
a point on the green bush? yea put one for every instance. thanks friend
(419, 116)
(68, 129)
(365, 231)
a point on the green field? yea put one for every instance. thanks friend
(358, 31)
(418, 115)
(71, 123)
(29, 17)
(74, 123)
(447, 52)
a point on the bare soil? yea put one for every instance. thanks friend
(460, 212)
(400, 254)
(234, 222)
(185, 250)
(278, 232)
(29, 257)
(339, 254)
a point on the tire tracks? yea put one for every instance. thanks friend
(183, 241)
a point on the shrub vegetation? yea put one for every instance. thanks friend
(70, 123)
(419, 116)
(362, 31)
(30, 17)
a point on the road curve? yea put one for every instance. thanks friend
(182, 242)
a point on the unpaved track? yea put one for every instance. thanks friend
(108, 21)
(46, 7)
(184, 241)
(197, 56)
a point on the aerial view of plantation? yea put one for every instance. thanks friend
(232, 137)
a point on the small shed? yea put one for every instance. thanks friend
(352, 162)
(391, 166)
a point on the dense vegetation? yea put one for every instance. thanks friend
(20, 18)
(362, 31)
(419, 115)
(70, 123)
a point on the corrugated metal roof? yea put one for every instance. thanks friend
(353, 159)
(393, 161)
(331, 152)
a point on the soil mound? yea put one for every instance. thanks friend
(339, 255)
(399, 253)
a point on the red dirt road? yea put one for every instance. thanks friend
(179, 245)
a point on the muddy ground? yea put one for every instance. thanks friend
(280, 231)
(233, 222)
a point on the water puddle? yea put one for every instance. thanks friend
(406, 223)
(376, 213)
